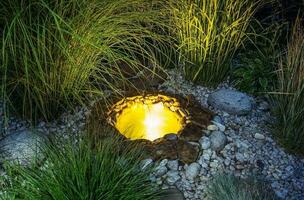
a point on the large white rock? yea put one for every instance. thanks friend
(230, 101)
(21, 147)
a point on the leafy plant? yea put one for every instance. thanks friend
(56, 54)
(255, 76)
(229, 187)
(288, 100)
(256, 63)
(209, 33)
(110, 170)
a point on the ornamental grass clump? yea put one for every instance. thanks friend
(109, 169)
(289, 98)
(56, 54)
(209, 33)
(229, 187)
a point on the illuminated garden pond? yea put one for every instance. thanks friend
(147, 117)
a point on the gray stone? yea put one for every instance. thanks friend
(164, 187)
(259, 136)
(239, 157)
(217, 119)
(206, 132)
(172, 177)
(281, 193)
(289, 168)
(207, 154)
(218, 140)
(146, 163)
(214, 164)
(205, 143)
(22, 147)
(152, 178)
(163, 162)
(239, 167)
(212, 127)
(275, 185)
(230, 101)
(160, 171)
(227, 162)
(171, 137)
(172, 164)
(221, 127)
(192, 171)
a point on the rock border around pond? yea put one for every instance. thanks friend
(184, 145)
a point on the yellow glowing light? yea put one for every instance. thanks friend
(141, 118)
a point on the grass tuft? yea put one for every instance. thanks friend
(110, 170)
(209, 34)
(56, 54)
(229, 187)
(289, 97)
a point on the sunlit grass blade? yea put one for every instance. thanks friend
(55, 55)
(209, 34)
(289, 98)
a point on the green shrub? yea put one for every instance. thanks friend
(254, 72)
(229, 187)
(110, 170)
(209, 33)
(289, 98)
(56, 54)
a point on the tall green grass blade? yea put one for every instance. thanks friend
(209, 34)
(56, 54)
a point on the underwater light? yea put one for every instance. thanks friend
(147, 117)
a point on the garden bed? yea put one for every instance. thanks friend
(139, 99)
(248, 145)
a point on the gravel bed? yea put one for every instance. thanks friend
(249, 149)
(242, 145)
